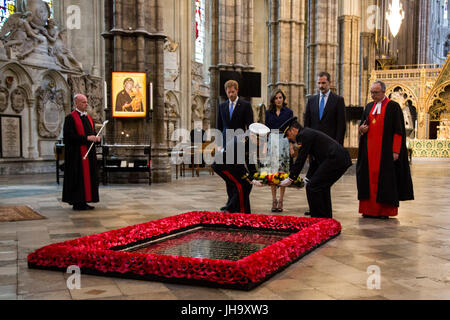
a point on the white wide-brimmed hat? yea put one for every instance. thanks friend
(259, 129)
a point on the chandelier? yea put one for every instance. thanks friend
(394, 16)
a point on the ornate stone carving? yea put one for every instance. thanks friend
(92, 88)
(58, 49)
(3, 99)
(32, 32)
(94, 94)
(19, 35)
(50, 110)
(18, 97)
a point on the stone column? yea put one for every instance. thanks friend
(322, 18)
(134, 42)
(287, 51)
(232, 40)
(367, 47)
(32, 121)
(349, 55)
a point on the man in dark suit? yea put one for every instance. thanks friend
(326, 111)
(233, 114)
(332, 161)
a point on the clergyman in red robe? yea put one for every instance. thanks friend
(382, 171)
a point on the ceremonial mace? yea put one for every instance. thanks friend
(100, 131)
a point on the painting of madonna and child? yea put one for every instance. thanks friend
(129, 94)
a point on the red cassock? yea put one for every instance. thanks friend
(374, 145)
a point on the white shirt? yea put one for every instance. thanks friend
(81, 112)
(377, 109)
(233, 102)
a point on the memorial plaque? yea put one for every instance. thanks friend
(212, 243)
(11, 139)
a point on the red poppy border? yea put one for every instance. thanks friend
(97, 254)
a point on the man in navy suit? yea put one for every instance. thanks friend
(326, 111)
(233, 114)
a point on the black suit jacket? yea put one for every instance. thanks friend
(242, 117)
(333, 119)
(320, 147)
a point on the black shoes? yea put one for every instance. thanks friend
(375, 217)
(82, 207)
(307, 213)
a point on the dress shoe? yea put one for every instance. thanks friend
(79, 207)
(223, 208)
(88, 207)
(280, 206)
(307, 213)
(274, 206)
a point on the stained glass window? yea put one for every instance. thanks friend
(7, 8)
(199, 30)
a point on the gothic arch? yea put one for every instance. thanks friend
(60, 83)
(171, 116)
(435, 96)
(171, 105)
(24, 80)
(198, 109)
(406, 94)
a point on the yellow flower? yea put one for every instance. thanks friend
(276, 181)
(263, 174)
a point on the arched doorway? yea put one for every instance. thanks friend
(438, 110)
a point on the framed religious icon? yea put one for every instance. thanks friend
(129, 94)
(10, 136)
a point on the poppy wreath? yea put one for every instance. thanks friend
(100, 254)
(274, 179)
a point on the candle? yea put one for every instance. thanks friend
(151, 95)
(105, 98)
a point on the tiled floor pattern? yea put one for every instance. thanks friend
(412, 251)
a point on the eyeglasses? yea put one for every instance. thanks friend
(375, 92)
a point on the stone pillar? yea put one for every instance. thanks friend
(287, 51)
(134, 42)
(232, 42)
(349, 56)
(32, 122)
(322, 44)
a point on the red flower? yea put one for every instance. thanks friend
(94, 252)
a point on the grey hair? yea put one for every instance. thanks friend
(75, 97)
(382, 85)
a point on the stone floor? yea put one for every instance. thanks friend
(412, 251)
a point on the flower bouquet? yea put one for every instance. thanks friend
(274, 179)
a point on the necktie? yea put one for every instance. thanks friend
(322, 106)
(231, 109)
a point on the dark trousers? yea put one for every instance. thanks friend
(238, 189)
(319, 186)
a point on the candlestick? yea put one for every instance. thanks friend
(105, 98)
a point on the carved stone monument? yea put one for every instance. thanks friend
(39, 75)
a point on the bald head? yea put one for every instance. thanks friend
(80, 101)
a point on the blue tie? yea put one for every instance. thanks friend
(322, 106)
(231, 109)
